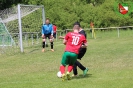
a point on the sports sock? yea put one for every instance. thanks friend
(62, 69)
(43, 44)
(70, 67)
(52, 45)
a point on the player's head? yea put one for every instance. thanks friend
(54, 24)
(47, 21)
(75, 30)
(76, 25)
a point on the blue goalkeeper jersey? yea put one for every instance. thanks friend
(47, 29)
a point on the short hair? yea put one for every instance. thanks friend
(47, 19)
(76, 23)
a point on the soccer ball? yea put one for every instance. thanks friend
(59, 74)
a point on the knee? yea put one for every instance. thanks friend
(43, 40)
(51, 40)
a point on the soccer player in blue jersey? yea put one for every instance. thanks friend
(47, 32)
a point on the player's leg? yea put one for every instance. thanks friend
(69, 69)
(72, 59)
(75, 72)
(80, 65)
(84, 69)
(46, 43)
(64, 62)
(51, 42)
(80, 55)
(43, 43)
(54, 35)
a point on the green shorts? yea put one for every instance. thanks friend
(69, 58)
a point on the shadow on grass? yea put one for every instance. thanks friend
(33, 50)
(82, 77)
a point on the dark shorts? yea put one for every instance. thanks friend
(82, 52)
(54, 35)
(47, 36)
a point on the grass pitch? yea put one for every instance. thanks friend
(109, 59)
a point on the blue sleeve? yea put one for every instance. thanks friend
(42, 30)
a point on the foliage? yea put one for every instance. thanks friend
(30, 23)
(64, 13)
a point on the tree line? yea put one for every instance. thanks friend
(63, 13)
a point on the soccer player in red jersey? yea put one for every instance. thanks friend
(82, 51)
(54, 29)
(73, 41)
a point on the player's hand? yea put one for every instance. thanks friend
(51, 36)
(83, 46)
(43, 35)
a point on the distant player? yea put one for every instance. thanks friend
(73, 41)
(47, 32)
(54, 29)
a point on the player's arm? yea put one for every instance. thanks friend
(84, 46)
(61, 37)
(64, 41)
(84, 43)
(42, 31)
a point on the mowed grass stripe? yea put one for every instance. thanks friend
(109, 59)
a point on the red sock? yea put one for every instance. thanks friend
(62, 69)
(70, 67)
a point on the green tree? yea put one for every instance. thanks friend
(64, 13)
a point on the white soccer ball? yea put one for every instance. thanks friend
(59, 74)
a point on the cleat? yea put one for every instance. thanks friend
(43, 50)
(68, 76)
(85, 71)
(75, 75)
(52, 50)
(63, 77)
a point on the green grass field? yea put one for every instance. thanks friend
(109, 59)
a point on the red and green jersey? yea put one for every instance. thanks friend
(74, 42)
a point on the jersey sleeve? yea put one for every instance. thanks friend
(67, 36)
(42, 30)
